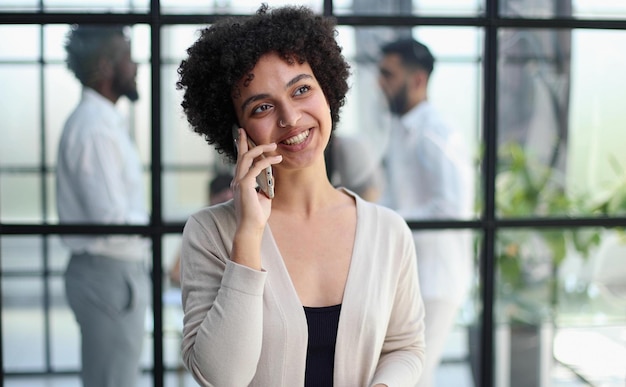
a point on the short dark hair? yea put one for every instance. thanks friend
(413, 53)
(86, 45)
(220, 182)
(231, 47)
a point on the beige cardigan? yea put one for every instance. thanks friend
(244, 327)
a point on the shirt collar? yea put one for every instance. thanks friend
(104, 105)
(411, 119)
(96, 98)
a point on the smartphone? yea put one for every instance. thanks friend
(265, 179)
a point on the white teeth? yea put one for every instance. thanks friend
(297, 139)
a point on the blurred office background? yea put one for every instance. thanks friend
(537, 88)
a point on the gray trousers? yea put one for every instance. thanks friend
(109, 298)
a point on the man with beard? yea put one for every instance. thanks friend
(429, 176)
(99, 181)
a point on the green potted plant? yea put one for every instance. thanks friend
(528, 260)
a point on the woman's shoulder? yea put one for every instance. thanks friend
(384, 233)
(377, 214)
(219, 216)
(368, 208)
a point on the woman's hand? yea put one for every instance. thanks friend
(252, 208)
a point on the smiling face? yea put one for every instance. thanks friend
(283, 103)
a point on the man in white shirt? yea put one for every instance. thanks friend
(99, 181)
(429, 176)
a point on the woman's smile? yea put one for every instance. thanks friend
(297, 139)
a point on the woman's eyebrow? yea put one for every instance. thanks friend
(297, 79)
(251, 99)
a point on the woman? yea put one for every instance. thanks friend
(314, 287)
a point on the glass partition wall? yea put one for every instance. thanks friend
(535, 89)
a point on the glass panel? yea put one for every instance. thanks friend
(58, 81)
(51, 204)
(24, 333)
(406, 7)
(41, 381)
(610, 9)
(171, 250)
(147, 353)
(21, 253)
(364, 117)
(122, 6)
(58, 254)
(140, 37)
(19, 6)
(181, 145)
(172, 307)
(596, 160)
(20, 198)
(65, 334)
(547, 9)
(24, 48)
(139, 114)
(189, 161)
(54, 42)
(111, 208)
(179, 377)
(557, 289)
(58, 78)
(461, 351)
(454, 96)
(458, 68)
(469, 319)
(560, 123)
(536, 8)
(75, 6)
(64, 330)
(229, 6)
(21, 115)
(23, 340)
(184, 193)
(447, 267)
(175, 40)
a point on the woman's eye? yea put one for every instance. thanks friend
(302, 89)
(261, 108)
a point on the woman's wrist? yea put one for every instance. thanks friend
(246, 249)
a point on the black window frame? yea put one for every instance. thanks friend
(486, 225)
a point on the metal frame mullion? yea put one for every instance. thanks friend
(487, 262)
(155, 178)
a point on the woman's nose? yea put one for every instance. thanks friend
(288, 116)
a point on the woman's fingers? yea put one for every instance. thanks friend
(251, 161)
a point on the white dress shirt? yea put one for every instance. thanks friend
(430, 176)
(99, 178)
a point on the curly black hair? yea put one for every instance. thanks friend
(230, 48)
(86, 44)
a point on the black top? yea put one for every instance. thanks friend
(320, 354)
